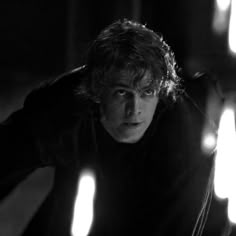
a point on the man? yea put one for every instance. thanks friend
(125, 114)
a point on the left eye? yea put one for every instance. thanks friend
(149, 92)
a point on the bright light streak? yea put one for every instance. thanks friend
(220, 19)
(226, 153)
(232, 28)
(223, 5)
(232, 209)
(83, 208)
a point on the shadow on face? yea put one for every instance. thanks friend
(127, 109)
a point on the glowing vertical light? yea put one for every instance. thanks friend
(225, 163)
(83, 208)
(223, 5)
(220, 20)
(232, 28)
(232, 209)
(225, 152)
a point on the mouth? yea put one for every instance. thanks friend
(132, 124)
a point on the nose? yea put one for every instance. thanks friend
(133, 106)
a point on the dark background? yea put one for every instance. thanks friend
(41, 39)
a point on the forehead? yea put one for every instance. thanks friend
(129, 79)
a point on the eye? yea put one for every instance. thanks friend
(149, 92)
(121, 92)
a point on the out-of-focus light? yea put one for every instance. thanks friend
(220, 20)
(225, 163)
(225, 155)
(232, 28)
(223, 5)
(232, 209)
(83, 208)
(209, 142)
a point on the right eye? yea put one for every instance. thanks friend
(121, 92)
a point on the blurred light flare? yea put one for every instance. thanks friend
(225, 163)
(209, 142)
(220, 20)
(232, 28)
(225, 150)
(83, 207)
(223, 5)
(232, 209)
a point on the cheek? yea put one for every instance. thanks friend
(150, 109)
(113, 111)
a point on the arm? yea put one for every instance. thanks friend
(31, 137)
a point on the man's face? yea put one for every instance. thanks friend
(127, 111)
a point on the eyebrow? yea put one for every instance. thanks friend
(149, 86)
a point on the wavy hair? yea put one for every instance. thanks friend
(130, 46)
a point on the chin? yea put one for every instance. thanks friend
(125, 135)
(128, 139)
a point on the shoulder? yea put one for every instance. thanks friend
(185, 123)
(58, 92)
(51, 116)
(201, 93)
(54, 106)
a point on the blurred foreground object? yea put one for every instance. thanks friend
(83, 209)
(225, 163)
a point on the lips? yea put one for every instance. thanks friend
(132, 124)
